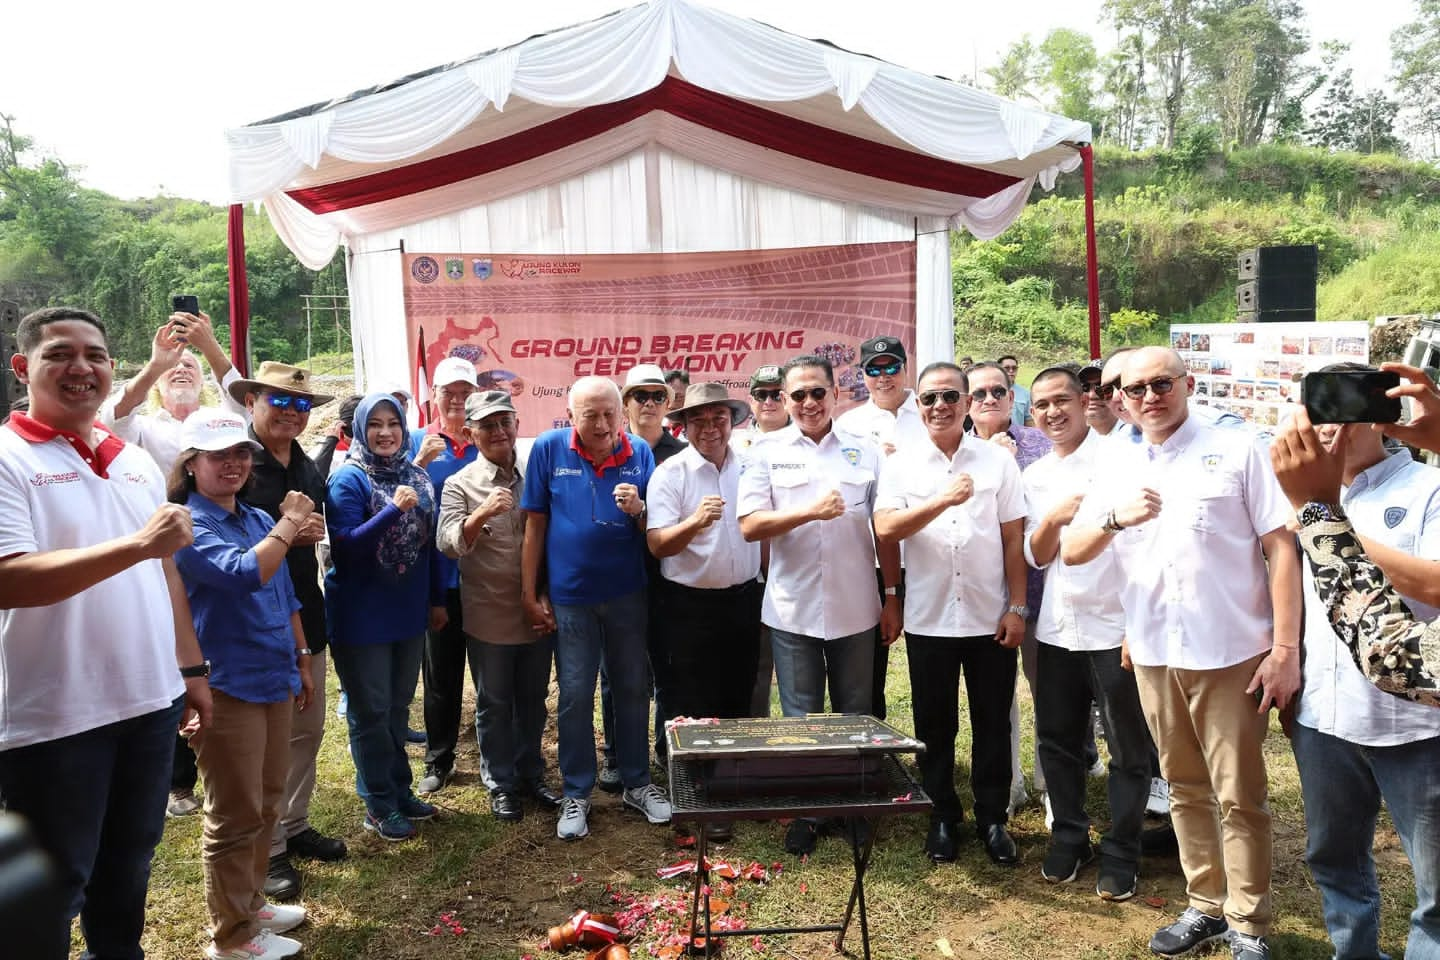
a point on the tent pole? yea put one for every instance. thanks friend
(1092, 265)
(239, 291)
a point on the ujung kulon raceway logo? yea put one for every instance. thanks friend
(425, 269)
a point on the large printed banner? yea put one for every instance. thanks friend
(535, 324)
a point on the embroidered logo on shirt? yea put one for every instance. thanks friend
(139, 478)
(630, 471)
(851, 454)
(568, 472)
(1211, 461)
(1393, 516)
(47, 479)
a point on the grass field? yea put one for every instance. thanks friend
(505, 884)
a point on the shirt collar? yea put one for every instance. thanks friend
(622, 452)
(457, 447)
(205, 507)
(487, 471)
(1377, 474)
(98, 460)
(1174, 444)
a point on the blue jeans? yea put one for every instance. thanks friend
(802, 665)
(96, 801)
(615, 631)
(510, 684)
(1343, 784)
(379, 679)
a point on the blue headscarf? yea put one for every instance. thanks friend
(404, 543)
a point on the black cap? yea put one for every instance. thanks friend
(767, 376)
(881, 347)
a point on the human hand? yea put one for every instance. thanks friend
(198, 330)
(405, 498)
(439, 619)
(1423, 430)
(960, 489)
(195, 718)
(1144, 508)
(311, 532)
(1307, 471)
(296, 506)
(711, 508)
(828, 507)
(1008, 442)
(500, 500)
(539, 614)
(337, 429)
(1277, 678)
(431, 447)
(168, 345)
(168, 531)
(892, 620)
(1125, 662)
(627, 498)
(306, 696)
(1011, 632)
(1064, 512)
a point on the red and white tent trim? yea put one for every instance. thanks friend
(665, 127)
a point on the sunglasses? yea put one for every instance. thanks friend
(997, 393)
(765, 396)
(643, 397)
(1106, 390)
(884, 369)
(285, 401)
(1159, 387)
(814, 393)
(930, 397)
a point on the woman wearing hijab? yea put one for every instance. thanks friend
(247, 619)
(381, 589)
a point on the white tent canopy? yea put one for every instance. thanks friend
(666, 127)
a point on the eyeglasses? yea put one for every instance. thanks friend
(814, 393)
(502, 425)
(594, 500)
(884, 370)
(286, 401)
(1106, 390)
(643, 397)
(929, 397)
(240, 454)
(1159, 386)
(768, 396)
(997, 393)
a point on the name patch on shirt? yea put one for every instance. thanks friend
(49, 479)
(568, 472)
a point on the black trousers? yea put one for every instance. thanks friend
(936, 665)
(443, 668)
(882, 655)
(184, 774)
(709, 641)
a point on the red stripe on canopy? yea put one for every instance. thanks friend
(726, 115)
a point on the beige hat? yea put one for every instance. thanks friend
(279, 376)
(699, 395)
(644, 375)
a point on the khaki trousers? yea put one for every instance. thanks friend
(243, 756)
(307, 729)
(1210, 739)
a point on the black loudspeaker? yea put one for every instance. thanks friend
(10, 388)
(1278, 283)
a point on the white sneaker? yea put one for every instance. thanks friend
(573, 823)
(1018, 797)
(649, 800)
(1049, 814)
(1098, 769)
(1159, 803)
(267, 945)
(280, 917)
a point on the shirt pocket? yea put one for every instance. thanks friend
(855, 490)
(1212, 500)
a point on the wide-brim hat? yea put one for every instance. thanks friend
(699, 395)
(644, 376)
(284, 377)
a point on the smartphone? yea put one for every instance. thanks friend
(1351, 396)
(186, 303)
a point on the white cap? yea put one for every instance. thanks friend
(212, 429)
(456, 370)
(645, 375)
(395, 388)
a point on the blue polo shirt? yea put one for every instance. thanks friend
(243, 624)
(593, 551)
(457, 455)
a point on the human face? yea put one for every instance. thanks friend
(1059, 411)
(180, 385)
(384, 431)
(1110, 379)
(1157, 414)
(450, 401)
(991, 414)
(708, 430)
(811, 414)
(887, 389)
(274, 424)
(677, 394)
(596, 415)
(767, 405)
(645, 407)
(944, 421)
(1011, 368)
(219, 474)
(495, 437)
(1097, 410)
(69, 374)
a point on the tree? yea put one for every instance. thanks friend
(1174, 29)
(1345, 120)
(1247, 56)
(1415, 49)
(1018, 74)
(1123, 86)
(1068, 64)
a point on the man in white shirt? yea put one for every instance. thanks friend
(810, 492)
(1354, 745)
(1080, 631)
(1211, 591)
(958, 504)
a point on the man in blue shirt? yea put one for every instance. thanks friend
(583, 576)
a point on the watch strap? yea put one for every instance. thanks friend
(201, 669)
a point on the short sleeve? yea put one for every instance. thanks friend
(664, 500)
(1427, 543)
(536, 498)
(890, 490)
(17, 527)
(1269, 508)
(1010, 498)
(754, 493)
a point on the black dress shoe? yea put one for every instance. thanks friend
(282, 880)
(543, 795)
(942, 843)
(506, 806)
(314, 845)
(999, 845)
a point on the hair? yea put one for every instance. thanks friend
(1348, 366)
(346, 414)
(682, 375)
(594, 384)
(29, 333)
(1007, 356)
(181, 482)
(808, 360)
(1072, 377)
(992, 365)
(940, 365)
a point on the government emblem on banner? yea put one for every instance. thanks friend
(425, 269)
(455, 269)
(851, 454)
(482, 269)
(1393, 516)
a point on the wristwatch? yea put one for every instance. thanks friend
(1111, 525)
(1020, 610)
(201, 669)
(897, 591)
(1316, 512)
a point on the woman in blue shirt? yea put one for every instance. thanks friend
(382, 589)
(247, 619)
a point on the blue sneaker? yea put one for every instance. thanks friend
(413, 808)
(395, 827)
(414, 736)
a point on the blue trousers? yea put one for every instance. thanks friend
(379, 679)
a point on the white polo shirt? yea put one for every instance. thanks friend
(902, 428)
(158, 433)
(955, 566)
(108, 653)
(743, 441)
(1194, 584)
(1396, 503)
(1081, 610)
(718, 556)
(822, 573)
